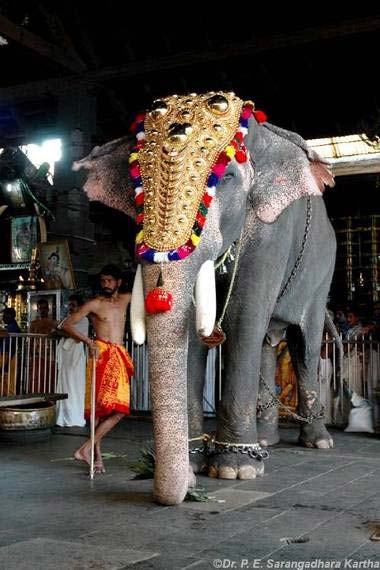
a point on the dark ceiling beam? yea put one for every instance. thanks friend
(60, 34)
(252, 47)
(33, 42)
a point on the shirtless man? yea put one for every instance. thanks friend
(114, 366)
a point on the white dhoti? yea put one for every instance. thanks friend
(72, 381)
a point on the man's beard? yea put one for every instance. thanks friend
(108, 292)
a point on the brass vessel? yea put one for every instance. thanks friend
(24, 418)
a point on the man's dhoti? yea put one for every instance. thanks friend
(114, 367)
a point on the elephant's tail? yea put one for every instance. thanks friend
(331, 328)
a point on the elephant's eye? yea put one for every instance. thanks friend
(227, 177)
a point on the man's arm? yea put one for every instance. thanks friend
(67, 325)
(126, 297)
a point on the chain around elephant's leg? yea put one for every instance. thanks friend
(305, 361)
(267, 408)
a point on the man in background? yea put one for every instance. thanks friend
(43, 324)
(7, 353)
(71, 359)
(41, 352)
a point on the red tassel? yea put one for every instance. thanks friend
(260, 116)
(241, 156)
(158, 300)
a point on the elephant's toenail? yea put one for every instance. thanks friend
(227, 473)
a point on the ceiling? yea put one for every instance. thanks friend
(312, 71)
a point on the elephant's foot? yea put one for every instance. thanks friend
(267, 428)
(315, 435)
(198, 462)
(235, 466)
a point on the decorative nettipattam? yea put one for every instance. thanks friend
(184, 144)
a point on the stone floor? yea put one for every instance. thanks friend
(310, 505)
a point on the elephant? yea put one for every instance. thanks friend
(210, 171)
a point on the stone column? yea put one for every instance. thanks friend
(76, 122)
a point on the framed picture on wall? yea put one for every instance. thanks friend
(23, 238)
(53, 299)
(56, 267)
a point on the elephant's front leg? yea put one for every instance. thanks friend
(196, 368)
(236, 455)
(267, 410)
(305, 350)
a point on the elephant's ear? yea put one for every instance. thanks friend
(108, 175)
(285, 169)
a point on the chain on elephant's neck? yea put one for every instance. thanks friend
(297, 263)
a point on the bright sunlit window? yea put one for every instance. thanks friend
(49, 151)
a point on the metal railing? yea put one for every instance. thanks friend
(28, 365)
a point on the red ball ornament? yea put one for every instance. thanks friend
(158, 301)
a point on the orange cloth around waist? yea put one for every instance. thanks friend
(114, 367)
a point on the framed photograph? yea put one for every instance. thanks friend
(53, 300)
(15, 196)
(56, 267)
(23, 238)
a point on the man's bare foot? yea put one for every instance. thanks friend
(82, 454)
(99, 466)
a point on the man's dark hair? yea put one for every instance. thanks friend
(354, 310)
(111, 269)
(42, 301)
(10, 312)
(77, 298)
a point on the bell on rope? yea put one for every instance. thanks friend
(158, 300)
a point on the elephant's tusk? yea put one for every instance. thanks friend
(205, 299)
(138, 309)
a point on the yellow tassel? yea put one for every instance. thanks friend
(140, 236)
(134, 156)
(195, 239)
(230, 151)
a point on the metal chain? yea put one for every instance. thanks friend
(253, 451)
(214, 447)
(270, 404)
(300, 255)
(305, 419)
(221, 261)
(231, 285)
(206, 439)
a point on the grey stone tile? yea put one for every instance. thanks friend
(333, 540)
(165, 562)
(55, 554)
(264, 539)
(226, 500)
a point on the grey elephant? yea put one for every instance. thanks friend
(209, 171)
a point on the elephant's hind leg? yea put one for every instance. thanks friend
(305, 349)
(267, 410)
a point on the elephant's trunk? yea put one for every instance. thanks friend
(168, 346)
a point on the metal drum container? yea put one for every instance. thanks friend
(26, 418)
